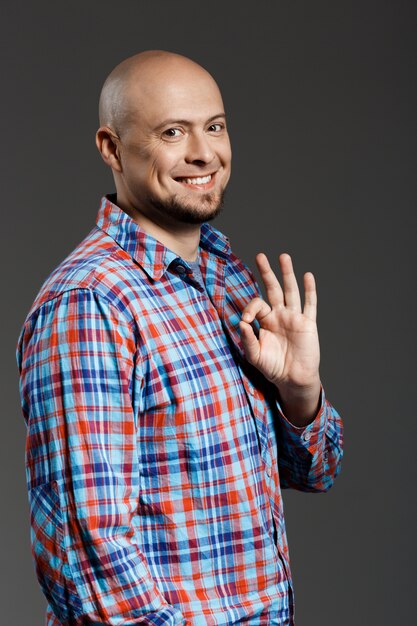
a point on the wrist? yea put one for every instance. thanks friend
(300, 403)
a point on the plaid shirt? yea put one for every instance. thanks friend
(155, 453)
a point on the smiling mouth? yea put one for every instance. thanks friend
(197, 182)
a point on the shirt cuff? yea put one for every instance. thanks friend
(308, 436)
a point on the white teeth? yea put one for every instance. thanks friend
(201, 180)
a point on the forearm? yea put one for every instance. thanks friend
(310, 456)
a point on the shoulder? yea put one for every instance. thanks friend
(97, 264)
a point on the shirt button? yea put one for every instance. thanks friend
(269, 471)
(181, 269)
(251, 390)
(307, 436)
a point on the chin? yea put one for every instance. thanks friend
(205, 209)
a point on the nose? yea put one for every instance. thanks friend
(199, 149)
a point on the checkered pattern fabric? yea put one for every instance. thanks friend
(155, 453)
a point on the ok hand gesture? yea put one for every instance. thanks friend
(286, 350)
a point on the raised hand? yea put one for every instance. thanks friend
(286, 349)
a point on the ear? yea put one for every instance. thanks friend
(107, 143)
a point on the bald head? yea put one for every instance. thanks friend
(142, 77)
(163, 132)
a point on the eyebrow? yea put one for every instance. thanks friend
(187, 122)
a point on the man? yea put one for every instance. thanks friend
(166, 402)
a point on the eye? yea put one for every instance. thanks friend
(216, 128)
(172, 133)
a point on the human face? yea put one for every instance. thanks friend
(175, 152)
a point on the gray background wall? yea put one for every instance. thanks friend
(321, 98)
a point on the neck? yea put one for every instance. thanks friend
(181, 238)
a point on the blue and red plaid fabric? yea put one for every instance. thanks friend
(155, 453)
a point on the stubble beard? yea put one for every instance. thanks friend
(205, 209)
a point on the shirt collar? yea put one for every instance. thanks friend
(149, 253)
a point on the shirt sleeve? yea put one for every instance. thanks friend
(309, 458)
(77, 359)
